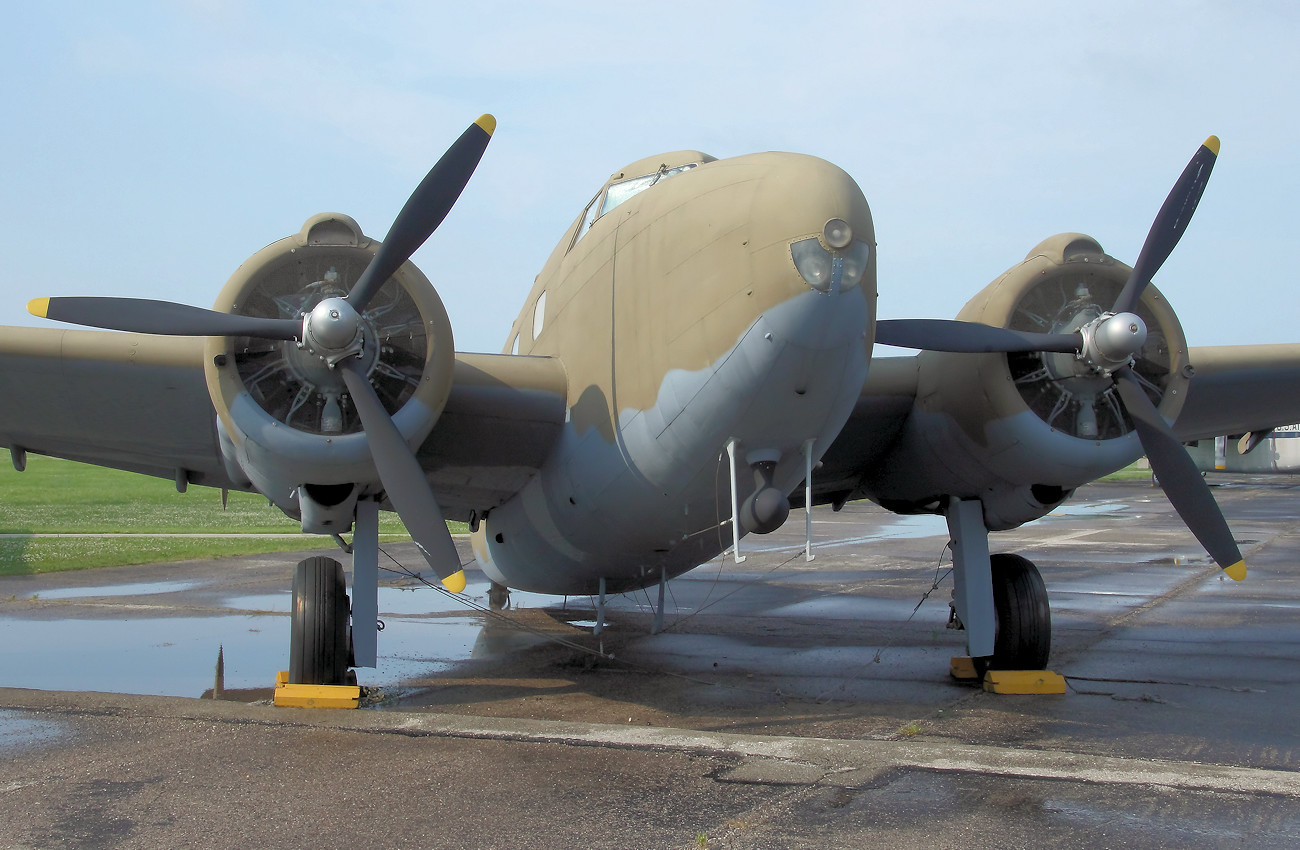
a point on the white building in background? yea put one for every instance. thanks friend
(1278, 452)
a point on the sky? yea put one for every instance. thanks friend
(150, 148)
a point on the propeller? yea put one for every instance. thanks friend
(1108, 344)
(333, 329)
(404, 480)
(969, 337)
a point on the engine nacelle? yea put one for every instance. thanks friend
(286, 422)
(1021, 431)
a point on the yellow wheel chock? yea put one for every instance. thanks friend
(314, 696)
(1008, 681)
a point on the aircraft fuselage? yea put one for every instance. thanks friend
(685, 325)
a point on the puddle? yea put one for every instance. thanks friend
(395, 601)
(1089, 509)
(425, 632)
(19, 731)
(909, 527)
(142, 589)
(176, 656)
(861, 609)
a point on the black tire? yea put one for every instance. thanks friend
(318, 638)
(1024, 618)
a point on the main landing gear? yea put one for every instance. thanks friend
(330, 633)
(999, 600)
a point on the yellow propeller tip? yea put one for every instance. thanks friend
(487, 122)
(1237, 571)
(1213, 144)
(455, 582)
(39, 307)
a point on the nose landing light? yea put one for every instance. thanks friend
(836, 269)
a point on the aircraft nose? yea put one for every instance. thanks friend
(813, 220)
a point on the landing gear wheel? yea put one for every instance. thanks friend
(318, 640)
(1024, 620)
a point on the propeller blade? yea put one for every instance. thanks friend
(1179, 477)
(142, 315)
(969, 337)
(404, 480)
(425, 209)
(1170, 223)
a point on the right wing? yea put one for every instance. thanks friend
(140, 402)
(502, 420)
(127, 401)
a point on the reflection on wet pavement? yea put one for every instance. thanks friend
(19, 732)
(143, 589)
(841, 623)
(176, 655)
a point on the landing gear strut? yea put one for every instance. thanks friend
(999, 600)
(318, 641)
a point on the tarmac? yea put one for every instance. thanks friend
(786, 704)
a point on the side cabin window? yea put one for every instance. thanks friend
(617, 193)
(539, 314)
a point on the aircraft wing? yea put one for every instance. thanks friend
(140, 402)
(502, 419)
(878, 416)
(127, 401)
(1235, 389)
(1240, 388)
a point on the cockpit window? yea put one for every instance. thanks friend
(588, 216)
(621, 191)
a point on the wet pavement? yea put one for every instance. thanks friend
(787, 703)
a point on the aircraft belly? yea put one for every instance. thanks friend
(651, 502)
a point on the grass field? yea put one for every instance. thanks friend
(60, 497)
(1133, 472)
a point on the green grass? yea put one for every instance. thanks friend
(47, 555)
(60, 497)
(1132, 472)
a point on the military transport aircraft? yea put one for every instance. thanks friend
(697, 346)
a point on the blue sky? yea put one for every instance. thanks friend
(150, 148)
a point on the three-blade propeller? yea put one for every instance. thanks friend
(1109, 343)
(334, 328)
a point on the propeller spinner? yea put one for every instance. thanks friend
(334, 331)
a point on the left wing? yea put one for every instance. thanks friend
(866, 439)
(1234, 390)
(1240, 388)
